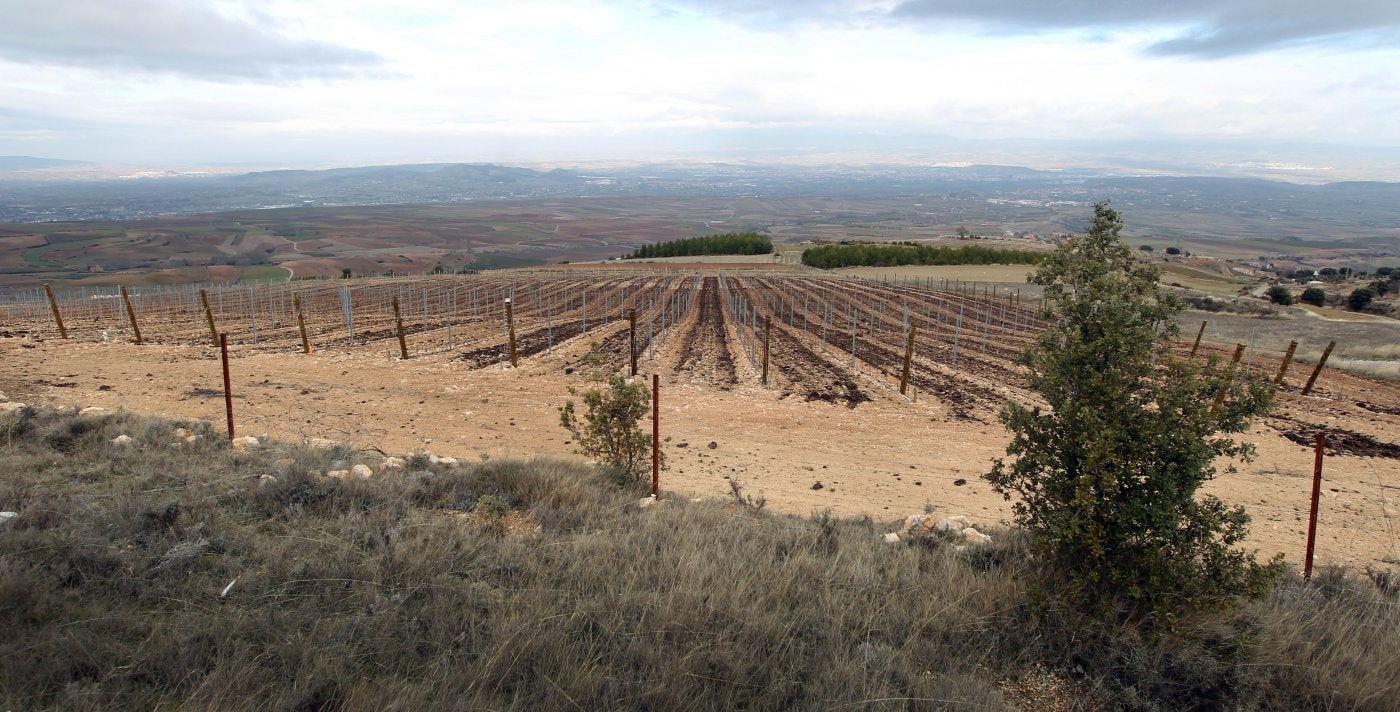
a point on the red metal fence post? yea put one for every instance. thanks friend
(228, 388)
(1312, 511)
(655, 436)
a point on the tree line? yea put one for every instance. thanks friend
(730, 243)
(895, 254)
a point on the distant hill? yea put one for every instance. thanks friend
(29, 163)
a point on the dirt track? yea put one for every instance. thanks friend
(884, 456)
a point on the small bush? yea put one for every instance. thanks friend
(1279, 294)
(1313, 296)
(1360, 298)
(609, 430)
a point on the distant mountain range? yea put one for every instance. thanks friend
(30, 163)
(1372, 206)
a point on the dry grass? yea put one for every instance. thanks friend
(155, 575)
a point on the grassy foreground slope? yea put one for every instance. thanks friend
(151, 574)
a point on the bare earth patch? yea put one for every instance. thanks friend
(885, 457)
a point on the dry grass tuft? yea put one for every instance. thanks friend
(162, 575)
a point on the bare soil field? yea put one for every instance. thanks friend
(829, 431)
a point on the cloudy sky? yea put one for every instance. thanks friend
(319, 82)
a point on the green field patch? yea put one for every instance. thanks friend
(264, 273)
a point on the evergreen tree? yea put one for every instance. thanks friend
(1107, 476)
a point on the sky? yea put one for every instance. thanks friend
(1286, 84)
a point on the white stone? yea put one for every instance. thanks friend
(7, 516)
(648, 501)
(392, 463)
(339, 474)
(972, 536)
(184, 433)
(321, 443)
(434, 459)
(265, 480)
(953, 524)
(362, 471)
(8, 407)
(123, 440)
(247, 442)
(93, 411)
(913, 521)
(3, 397)
(892, 538)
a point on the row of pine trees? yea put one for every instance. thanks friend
(732, 243)
(892, 255)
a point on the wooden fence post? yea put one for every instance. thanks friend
(301, 323)
(1197, 345)
(398, 326)
(767, 333)
(209, 317)
(1320, 362)
(908, 358)
(1287, 359)
(1225, 387)
(131, 315)
(228, 387)
(510, 332)
(1312, 511)
(632, 339)
(57, 317)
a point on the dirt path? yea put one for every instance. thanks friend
(884, 457)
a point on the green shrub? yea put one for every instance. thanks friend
(609, 430)
(1107, 477)
(1279, 294)
(1313, 296)
(1360, 298)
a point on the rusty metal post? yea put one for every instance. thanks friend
(131, 315)
(908, 358)
(632, 339)
(209, 317)
(57, 317)
(1320, 362)
(1225, 387)
(228, 387)
(767, 333)
(1197, 345)
(301, 323)
(1312, 511)
(655, 435)
(510, 332)
(1287, 359)
(398, 326)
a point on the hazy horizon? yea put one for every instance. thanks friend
(1285, 88)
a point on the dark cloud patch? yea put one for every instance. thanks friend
(1206, 28)
(168, 37)
(1236, 33)
(1203, 28)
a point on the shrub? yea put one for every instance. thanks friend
(1107, 477)
(1279, 294)
(1360, 298)
(609, 429)
(1313, 296)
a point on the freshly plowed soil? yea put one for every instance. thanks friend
(819, 419)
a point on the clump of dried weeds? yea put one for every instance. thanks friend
(165, 573)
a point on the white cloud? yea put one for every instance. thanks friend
(343, 79)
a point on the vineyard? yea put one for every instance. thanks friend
(795, 378)
(819, 331)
